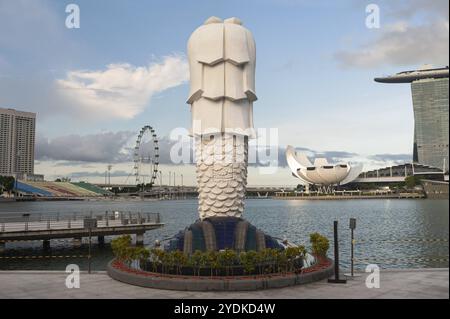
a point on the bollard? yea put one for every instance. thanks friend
(352, 228)
(336, 279)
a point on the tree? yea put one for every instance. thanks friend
(196, 261)
(212, 261)
(227, 259)
(412, 181)
(180, 260)
(248, 260)
(7, 183)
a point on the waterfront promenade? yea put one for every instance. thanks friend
(408, 283)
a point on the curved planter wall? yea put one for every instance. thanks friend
(158, 281)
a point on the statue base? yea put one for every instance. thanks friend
(219, 233)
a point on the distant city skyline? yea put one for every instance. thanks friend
(93, 88)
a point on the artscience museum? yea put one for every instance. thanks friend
(320, 172)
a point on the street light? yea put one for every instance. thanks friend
(109, 174)
(160, 183)
(174, 186)
(182, 187)
(170, 191)
(17, 171)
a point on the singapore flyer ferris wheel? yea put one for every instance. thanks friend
(146, 153)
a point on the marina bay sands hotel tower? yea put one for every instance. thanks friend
(429, 87)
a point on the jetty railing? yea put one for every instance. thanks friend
(30, 222)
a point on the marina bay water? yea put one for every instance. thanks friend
(393, 233)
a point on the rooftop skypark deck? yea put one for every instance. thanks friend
(410, 76)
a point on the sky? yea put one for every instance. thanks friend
(94, 87)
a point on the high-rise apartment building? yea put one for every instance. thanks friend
(17, 138)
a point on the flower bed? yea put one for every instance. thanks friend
(219, 270)
(120, 271)
(218, 263)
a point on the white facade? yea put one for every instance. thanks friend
(17, 138)
(222, 59)
(321, 172)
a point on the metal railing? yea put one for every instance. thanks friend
(35, 222)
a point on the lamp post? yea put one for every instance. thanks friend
(352, 226)
(168, 184)
(17, 173)
(182, 187)
(109, 174)
(174, 186)
(160, 183)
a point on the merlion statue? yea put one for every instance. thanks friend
(222, 58)
(222, 63)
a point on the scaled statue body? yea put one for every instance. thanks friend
(222, 60)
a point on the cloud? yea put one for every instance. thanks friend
(105, 147)
(121, 90)
(405, 41)
(395, 158)
(90, 151)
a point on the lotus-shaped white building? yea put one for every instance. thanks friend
(321, 172)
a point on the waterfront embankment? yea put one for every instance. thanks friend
(348, 197)
(409, 283)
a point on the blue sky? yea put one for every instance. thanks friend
(316, 61)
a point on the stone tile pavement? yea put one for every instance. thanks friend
(410, 283)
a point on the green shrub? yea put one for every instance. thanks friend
(248, 260)
(121, 247)
(266, 261)
(320, 244)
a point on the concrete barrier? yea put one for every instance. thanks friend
(191, 283)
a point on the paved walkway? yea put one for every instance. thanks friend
(417, 283)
